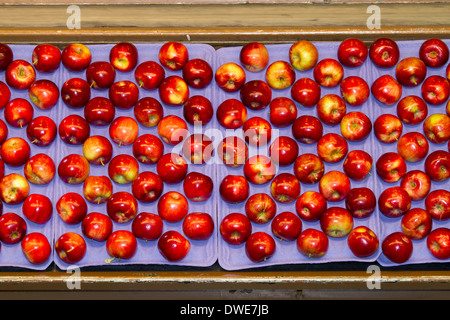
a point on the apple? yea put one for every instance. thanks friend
(230, 77)
(257, 131)
(121, 244)
(412, 109)
(198, 110)
(437, 204)
(235, 228)
(259, 169)
(3, 131)
(75, 93)
(76, 57)
(352, 52)
(386, 89)
(100, 75)
(122, 207)
(436, 128)
(283, 151)
(5, 94)
(172, 129)
(172, 168)
(40, 169)
(74, 129)
(18, 112)
(394, 202)
(285, 188)
(231, 114)
(255, 94)
(70, 247)
(147, 226)
(124, 56)
(312, 243)
(148, 111)
(234, 189)
(198, 148)
(384, 53)
(15, 151)
(71, 208)
(410, 71)
(99, 111)
(355, 126)
(20, 74)
(363, 242)
(44, 94)
(354, 90)
(13, 228)
(73, 169)
(260, 246)
(124, 94)
(233, 151)
(280, 75)
(357, 164)
(332, 147)
(197, 73)
(416, 223)
(173, 206)
(260, 208)
(334, 185)
(309, 168)
(173, 246)
(254, 56)
(14, 188)
(37, 208)
(174, 91)
(198, 187)
(42, 131)
(306, 91)
(286, 226)
(198, 226)
(36, 248)
(438, 244)
(307, 129)
(282, 112)
(397, 247)
(147, 187)
(388, 128)
(148, 148)
(435, 90)
(413, 146)
(437, 165)
(97, 189)
(123, 168)
(6, 56)
(97, 150)
(417, 183)
(390, 167)
(336, 222)
(331, 108)
(149, 75)
(434, 53)
(97, 226)
(173, 55)
(2, 172)
(303, 55)
(310, 206)
(328, 73)
(124, 130)
(361, 202)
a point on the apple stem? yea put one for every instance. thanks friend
(109, 260)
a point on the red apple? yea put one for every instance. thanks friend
(412, 109)
(387, 128)
(363, 242)
(352, 52)
(235, 228)
(124, 56)
(71, 208)
(334, 185)
(231, 113)
(100, 75)
(198, 110)
(97, 226)
(174, 91)
(435, 90)
(257, 131)
(20, 74)
(198, 148)
(417, 183)
(413, 146)
(234, 189)
(397, 247)
(436, 128)
(230, 77)
(173, 206)
(233, 151)
(386, 89)
(121, 244)
(285, 187)
(312, 243)
(122, 207)
(260, 208)
(437, 165)
(303, 55)
(13, 228)
(99, 111)
(97, 150)
(357, 164)
(15, 151)
(44, 94)
(124, 94)
(328, 73)
(309, 168)
(198, 187)
(73, 169)
(36, 248)
(437, 204)
(173, 55)
(254, 56)
(384, 53)
(70, 247)
(331, 108)
(354, 90)
(306, 91)
(355, 126)
(123, 168)
(255, 94)
(5, 94)
(148, 111)
(173, 246)
(280, 75)
(3, 131)
(147, 187)
(260, 246)
(18, 112)
(286, 226)
(147, 226)
(416, 223)
(76, 57)
(74, 129)
(336, 222)
(259, 169)
(46, 58)
(283, 112)
(14, 188)
(438, 243)
(172, 168)
(198, 226)
(361, 202)
(390, 167)
(124, 130)
(149, 75)
(283, 151)
(410, 71)
(434, 53)
(148, 148)
(37, 208)
(75, 93)
(394, 202)
(332, 147)
(42, 131)
(40, 169)
(197, 73)
(172, 129)
(7, 56)
(310, 206)
(97, 189)
(307, 129)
